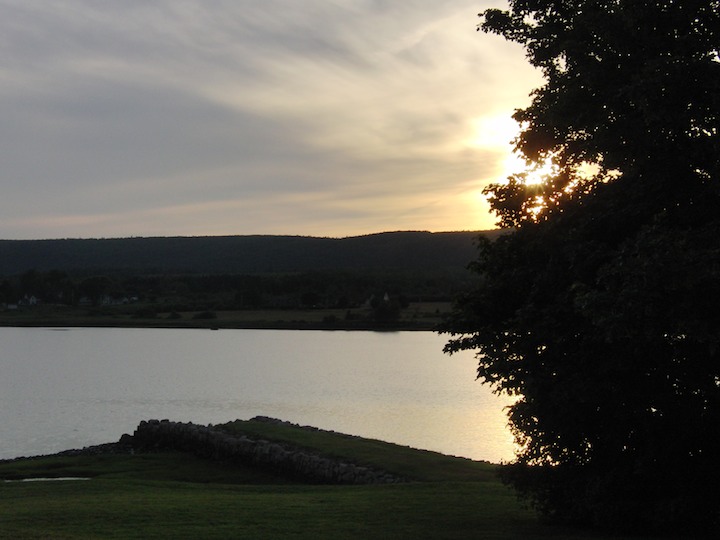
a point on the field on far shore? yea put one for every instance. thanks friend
(417, 316)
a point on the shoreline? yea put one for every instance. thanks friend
(260, 325)
(425, 316)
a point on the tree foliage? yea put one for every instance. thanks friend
(600, 310)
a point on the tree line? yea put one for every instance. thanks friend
(181, 292)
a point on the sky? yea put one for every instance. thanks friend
(211, 117)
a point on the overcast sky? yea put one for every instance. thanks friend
(213, 117)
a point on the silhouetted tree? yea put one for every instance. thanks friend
(8, 293)
(600, 310)
(94, 288)
(385, 308)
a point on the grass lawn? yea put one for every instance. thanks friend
(173, 495)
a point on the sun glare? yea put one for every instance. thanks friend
(493, 132)
(515, 164)
(497, 133)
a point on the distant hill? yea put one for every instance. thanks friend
(403, 251)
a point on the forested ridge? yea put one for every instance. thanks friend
(380, 274)
(258, 254)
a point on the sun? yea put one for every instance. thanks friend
(496, 132)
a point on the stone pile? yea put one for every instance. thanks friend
(207, 442)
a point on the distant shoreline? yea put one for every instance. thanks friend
(277, 325)
(417, 317)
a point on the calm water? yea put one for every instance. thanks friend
(71, 388)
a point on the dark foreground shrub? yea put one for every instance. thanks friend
(675, 502)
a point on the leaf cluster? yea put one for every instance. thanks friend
(631, 88)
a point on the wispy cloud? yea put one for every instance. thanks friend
(235, 117)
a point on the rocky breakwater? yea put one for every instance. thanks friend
(207, 442)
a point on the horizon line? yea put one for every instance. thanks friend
(478, 231)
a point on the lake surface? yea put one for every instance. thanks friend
(69, 388)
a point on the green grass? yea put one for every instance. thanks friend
(402, 460)
(172, 495)
(166, 466)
